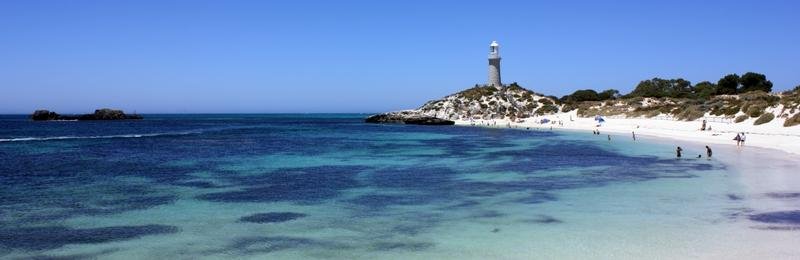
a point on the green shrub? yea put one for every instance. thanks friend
(554, 99)
(755, 110)
(634, 101)
(791, 100)
(741, 118)
(690, 113)
(547, 109)
(569, 107)
(792, 121)
(478, 92)
(765, 118)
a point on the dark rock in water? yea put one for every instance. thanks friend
(44, 115)
(272, 217)
(428, 121)
(385, 118)
(407, 117)
(99, 114)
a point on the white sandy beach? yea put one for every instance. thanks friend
(772, 135)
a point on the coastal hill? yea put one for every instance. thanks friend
(733, 98)
(480, 102)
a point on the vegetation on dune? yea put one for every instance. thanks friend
(732, 96)
(741, 118)
(679, 88)
(763, 119)
(477, 92)
(790, 100)
(547, 109)
(792, 121)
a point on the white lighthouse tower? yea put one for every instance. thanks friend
(494, 65)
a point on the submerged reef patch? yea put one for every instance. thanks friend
(50, 237)
(543, 219)
(269, 244)
(408, 246)
(778, 217)
(783, 195)
(271, 217)
(301, 185)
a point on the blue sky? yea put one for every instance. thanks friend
(369, 56)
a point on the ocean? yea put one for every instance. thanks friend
(302, 186)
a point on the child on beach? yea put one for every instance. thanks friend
(742, 138)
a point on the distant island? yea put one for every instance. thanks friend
(99, 114)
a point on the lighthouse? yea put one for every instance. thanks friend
(494, 65)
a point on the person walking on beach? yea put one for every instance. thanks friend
(708, 152)
(678, 151)
(738, 139)
(742, 138)
(703, 128)
(634, 135)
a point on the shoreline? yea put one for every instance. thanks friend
(771, 135)
(763, 173)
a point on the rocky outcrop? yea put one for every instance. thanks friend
(407, 117)
(481, 102)
(99, 114)
(44, 115)
(488, 102)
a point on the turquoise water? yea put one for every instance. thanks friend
(329, 186)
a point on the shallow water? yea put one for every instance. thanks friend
(329, 186)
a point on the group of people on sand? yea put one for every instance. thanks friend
(740, 137)
(679, 151)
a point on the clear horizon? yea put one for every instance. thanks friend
(361, 57)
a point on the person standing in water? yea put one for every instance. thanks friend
(678, 151)
(609, 137)
(738, 139)
(634, 135)
(708, 152)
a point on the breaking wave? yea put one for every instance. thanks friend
(70, 137)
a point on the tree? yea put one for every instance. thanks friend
(705, 89)
(752, 81)
(680, 88)
(608, 94)
(728, 85)
(657, 88)
(582, 95)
